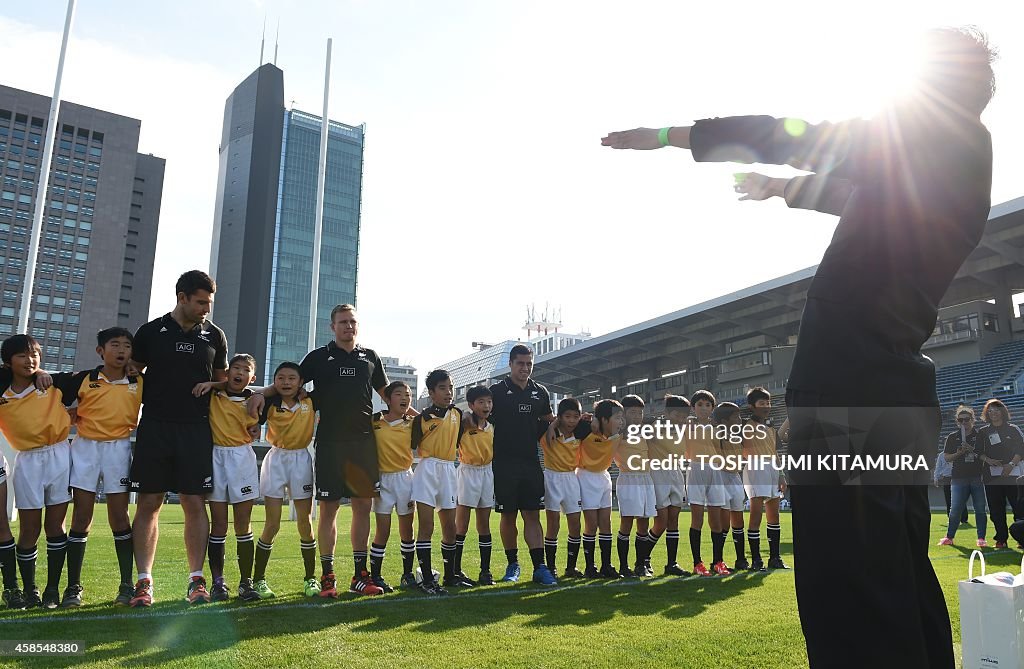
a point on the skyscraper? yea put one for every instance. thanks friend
(94, 269)
(263, 230)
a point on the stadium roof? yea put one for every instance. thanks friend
(771, 308)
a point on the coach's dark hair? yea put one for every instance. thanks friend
(569, 404)
(724, 411)
(390, 389)
(103, 336)
(995, 404)
(243, 357)
(477, 392)
(288, 364)
(957, 71)
(12, 346)
(676, 402)
(758, 393)
(632, 402)
(604, 410)
(437, 376)
(195, 280)
(340, 308)
(519, 349)
(702, 395)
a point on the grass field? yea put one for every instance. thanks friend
(742, 621)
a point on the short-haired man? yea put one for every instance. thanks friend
(174, 444)
(344, 375)
(522, 412)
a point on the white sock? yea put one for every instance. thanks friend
(144, 575)
(196, 573)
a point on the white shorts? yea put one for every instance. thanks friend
(3, 469)
(732, 486)
(286, 469)
(95, 461)
(475, 486)
(595, 489)
(669, 488)
(761, 482)
(704, 486)
(395, 493)
(635, 492)
(433, 483)
(235, 475)
(42, 476)
(562, 492)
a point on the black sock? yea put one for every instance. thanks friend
(589, 540)
(774, 534)
(327, 564)
(695, 544)
(460, 544)
(512, 555)
(308, 549)
(215, 553)
(641, 544)
(754, 539)
(125, 554)
(572, 552)
(359, 563)
(448, 557)
(408, 555)
(737, 542)
(537, 557)
(717, 546)
(56, 551)
(76, 555)
(423, 550)
(262, 558)
(605, 541)
(246, 551)
(622, 542)
(550, 553)
(376, 559)
(672, 546)
(9, 563)
(485, 552)
(27, 567)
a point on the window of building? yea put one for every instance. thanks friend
(990, 322)
(81, 256)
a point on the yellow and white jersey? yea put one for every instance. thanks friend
(761, 446)
(700, 440)
(107, 410)
(394, 443)
(728, 447)
(563, 454)
(662, 449)
(436, 432)
(290, 428)
(596, 451)
(625, 452)
(476, 447)
(229, 418)
(33, 418)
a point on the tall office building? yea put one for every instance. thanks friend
(95, 263)
(262, 255)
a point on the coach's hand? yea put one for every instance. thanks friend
(754, 186)
(642, 139)
(256, 402)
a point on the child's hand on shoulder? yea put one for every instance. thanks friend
(43, 380)
(201, 389)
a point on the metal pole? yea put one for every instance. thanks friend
(318, 225)
(44, 180)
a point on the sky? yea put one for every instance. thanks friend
(485, 185)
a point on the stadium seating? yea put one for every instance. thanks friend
(970, 380)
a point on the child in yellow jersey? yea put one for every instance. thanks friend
(392, 431)
(235, 474)
(595, 456)
(109, 399)
(475, 483)
(634, 489)
(703, 484)
(435, 434)
(36, 425)
(669, 484)
(287, 469)
(560, 445)
(763, 484)
(731, 515)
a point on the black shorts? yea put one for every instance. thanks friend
(172, 457)
(518, 487)
(346, 468)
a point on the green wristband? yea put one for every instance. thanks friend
(663, 136)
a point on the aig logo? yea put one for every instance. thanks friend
(185, 347)
(525, 408)
(346, 371)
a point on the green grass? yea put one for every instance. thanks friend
(742, 621)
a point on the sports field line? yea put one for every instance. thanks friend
(374, 601)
